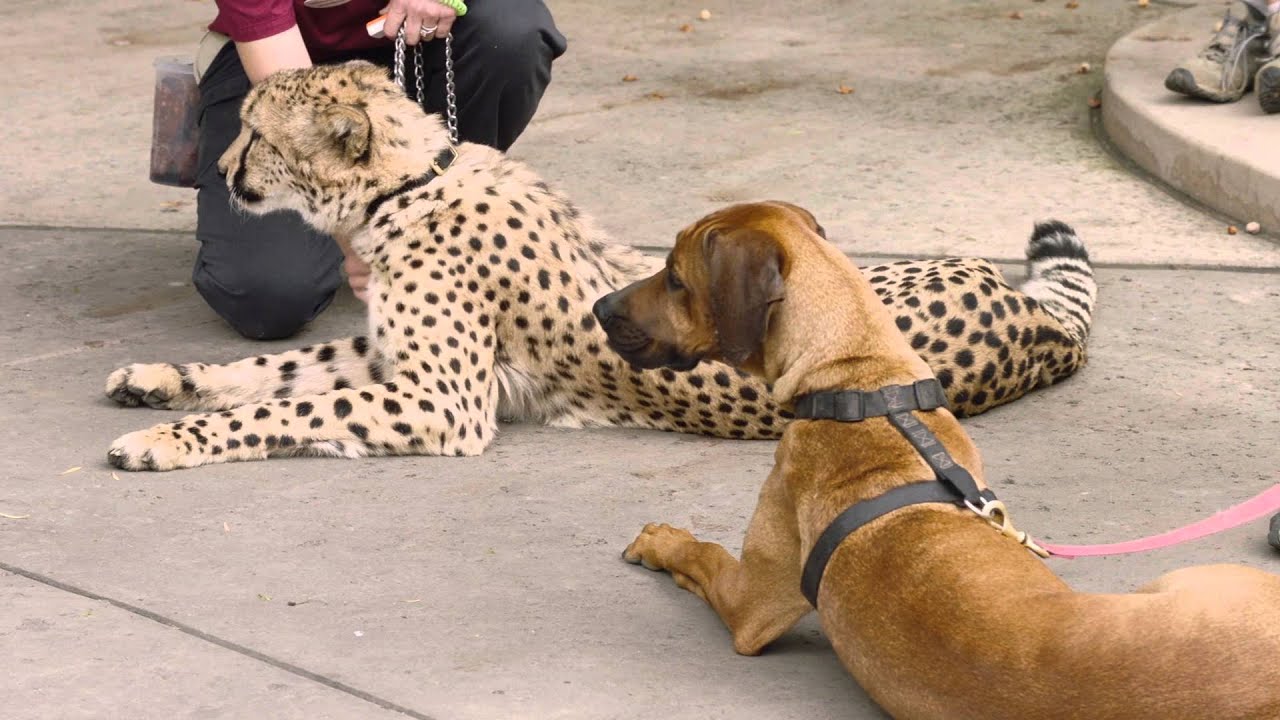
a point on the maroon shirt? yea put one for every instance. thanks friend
(326, 31)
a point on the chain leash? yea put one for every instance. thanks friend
(451, 104)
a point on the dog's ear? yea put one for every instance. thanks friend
(744, 268)
(806, 215)
(348, 128)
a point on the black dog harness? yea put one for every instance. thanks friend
(954, 486)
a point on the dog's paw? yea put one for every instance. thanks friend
(157, 448)
(157, 385)
(655, 545)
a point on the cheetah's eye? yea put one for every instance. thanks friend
(673, 282)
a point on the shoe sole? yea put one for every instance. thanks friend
(1183, 82)
(1268, 89)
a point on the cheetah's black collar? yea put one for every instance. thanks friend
(441, 163)
(955, 485)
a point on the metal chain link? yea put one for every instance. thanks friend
(451, 105)
(398, 65)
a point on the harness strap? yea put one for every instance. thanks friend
(858, 515)
(896, 402)
(955, 485)
(855, 405)
(931, 449)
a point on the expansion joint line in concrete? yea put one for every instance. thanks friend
(220, 642)
(1101, 137)
(662, 251)
(659, 251)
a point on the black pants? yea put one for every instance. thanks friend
(268, 276)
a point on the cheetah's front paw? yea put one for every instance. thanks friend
(155, 384)
(157, 448)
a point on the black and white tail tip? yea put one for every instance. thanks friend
(1055, 239)
(1060, 277)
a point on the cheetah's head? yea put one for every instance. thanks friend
(326, 141)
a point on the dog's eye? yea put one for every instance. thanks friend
(673, 282)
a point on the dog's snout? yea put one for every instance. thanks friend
(624, 336)
(605, 308)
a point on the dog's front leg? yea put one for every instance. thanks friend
(758, 597)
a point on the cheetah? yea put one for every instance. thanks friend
(480, 304)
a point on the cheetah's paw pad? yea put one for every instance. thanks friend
(155, 448)
(154, 384)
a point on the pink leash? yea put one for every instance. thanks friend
(1265, 503)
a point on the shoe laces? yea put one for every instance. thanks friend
(1230, 45)
(1272, 30)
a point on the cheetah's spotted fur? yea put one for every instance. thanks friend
(481, 304)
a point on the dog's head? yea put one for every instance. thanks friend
(714, 298)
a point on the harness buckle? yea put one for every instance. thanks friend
(997, 516)
(929, 395)
(435, 165)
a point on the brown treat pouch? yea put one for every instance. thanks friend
(175, 123)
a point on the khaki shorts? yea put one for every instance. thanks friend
(207, 50)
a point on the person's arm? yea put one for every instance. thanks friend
(265, 33)
(281, 51)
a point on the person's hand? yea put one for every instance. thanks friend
(418, 16)
(358, 272)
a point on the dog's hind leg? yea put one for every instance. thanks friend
(757, 597)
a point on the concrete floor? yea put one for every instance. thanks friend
(492, 587)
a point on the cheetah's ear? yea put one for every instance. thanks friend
(348, 128)
(745, 272)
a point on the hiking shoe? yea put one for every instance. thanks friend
(1267, 84)
(1224, 70)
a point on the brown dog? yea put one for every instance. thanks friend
(935, 613)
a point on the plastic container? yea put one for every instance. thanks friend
(175, 123)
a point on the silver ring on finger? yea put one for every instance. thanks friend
(427, 31)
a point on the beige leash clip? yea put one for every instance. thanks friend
(997, 516)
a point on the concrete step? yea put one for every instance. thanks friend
(1225, 156)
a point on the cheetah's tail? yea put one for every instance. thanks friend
(1060, 277)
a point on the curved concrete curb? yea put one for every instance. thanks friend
(1225, 156)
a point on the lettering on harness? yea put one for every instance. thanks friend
(893, 397)
(924, 438)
